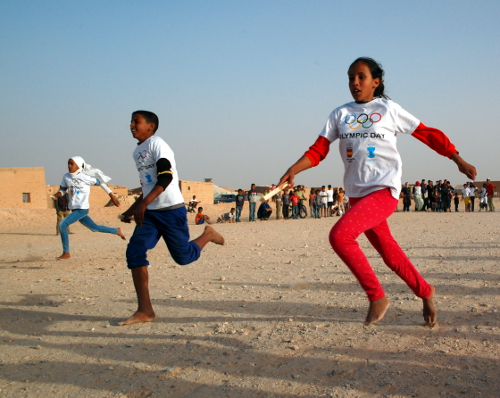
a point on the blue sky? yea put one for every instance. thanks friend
(242, 88)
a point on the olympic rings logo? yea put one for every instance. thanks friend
(362, 120)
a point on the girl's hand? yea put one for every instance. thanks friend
(116, 202)
(464, 167)
(302, 164)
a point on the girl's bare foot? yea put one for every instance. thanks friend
(214, 236)
(138, 317)
(377, 310)
(429, 311)
(121, 234)
(64, 256)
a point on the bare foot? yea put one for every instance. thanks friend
(215, 237)
(377, 310)
(429, 311)
(138, 317)
(121, 234)
(64, 256)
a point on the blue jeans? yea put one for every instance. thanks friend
(295, 211)
(252, 211)
(82, 216)
(238, 213)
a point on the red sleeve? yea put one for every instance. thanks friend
(318, 151)
(435, 139)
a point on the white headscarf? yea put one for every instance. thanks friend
(88, 170)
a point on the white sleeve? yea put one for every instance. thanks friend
(106, 188)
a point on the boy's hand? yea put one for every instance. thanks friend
(139, 213)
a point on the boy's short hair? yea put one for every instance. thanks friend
(150, 117)
(200, 208)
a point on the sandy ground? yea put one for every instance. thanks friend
(273, 313)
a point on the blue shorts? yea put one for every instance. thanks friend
(171, 225)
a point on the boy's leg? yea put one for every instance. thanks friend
(145, 312)
(143, 239)
(175, 233)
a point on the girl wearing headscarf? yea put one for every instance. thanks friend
(417, 194)
(77, 183)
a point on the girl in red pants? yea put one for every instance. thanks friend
(366, 129)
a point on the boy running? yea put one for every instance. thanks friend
(158, 212)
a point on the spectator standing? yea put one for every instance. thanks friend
(240, 201)
(324, 201)
(417, 195)
(279, 204)
(294, 198)
(466, 197)
(329, 199)
(456, 199)
(286, 204)
(472, 195)
(62, 210)
(423, 186)
(252, 201)
(406, 192)
(483, 201)
(490, 190)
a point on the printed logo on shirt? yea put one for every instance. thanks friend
(371, 151)
(363, 120)
(140, 157)
(349, 152)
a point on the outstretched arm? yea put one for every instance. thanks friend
(316, 153)
(302, 164)
(438, 141)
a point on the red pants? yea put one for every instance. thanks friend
(369, 215)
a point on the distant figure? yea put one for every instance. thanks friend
(490, 190)
(228, 217)
(62, 210)
(484, 199)
(252, 201)
(201, 218)
(77, 183)
(406, 192)
(240, 201)
(417, 195)
(193, 204)
(264, 211)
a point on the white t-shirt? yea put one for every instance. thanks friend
(78, 188)
(145, 156)
(367, 134)
(329, 193)
(324, 197)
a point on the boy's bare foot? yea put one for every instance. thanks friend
(377, 310)
(121, 234)
(214, 236)
(429, 311)
(138, 317)
(64, 256)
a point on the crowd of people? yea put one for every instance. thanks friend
(326, 201)
(442, 196)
